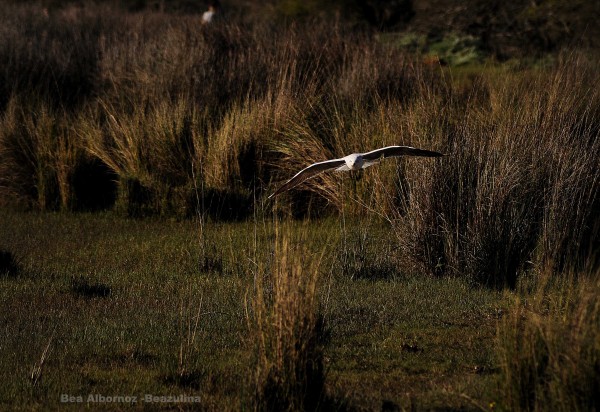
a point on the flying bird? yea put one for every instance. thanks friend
(354, 161)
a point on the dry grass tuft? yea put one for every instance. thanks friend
(288, 331)
(39, 156)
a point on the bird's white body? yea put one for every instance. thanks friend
(354, 161)
(207, 16)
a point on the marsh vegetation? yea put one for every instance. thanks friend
(139, 252)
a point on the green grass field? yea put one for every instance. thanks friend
(106, 305)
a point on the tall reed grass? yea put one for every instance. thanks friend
(153, 97)
(150, 107)
(288, 330)
(40, 156)
(549, 347)
(520, 185)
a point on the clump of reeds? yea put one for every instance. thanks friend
(288, 331)
(39, 155)
(153, 150)
(520, 183)
(549, 347)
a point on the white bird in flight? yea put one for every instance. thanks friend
(354, 161)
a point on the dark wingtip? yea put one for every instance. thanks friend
(438, 154)
(435, 154)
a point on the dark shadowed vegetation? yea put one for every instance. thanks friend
(8, 264)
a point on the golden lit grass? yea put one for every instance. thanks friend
(157, 144)
(288, 328)
(40, 153)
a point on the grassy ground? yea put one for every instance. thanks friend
(97, 304)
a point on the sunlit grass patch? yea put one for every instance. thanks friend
(290, 332)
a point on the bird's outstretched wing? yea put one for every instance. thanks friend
(392, 151)
(309, 172)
